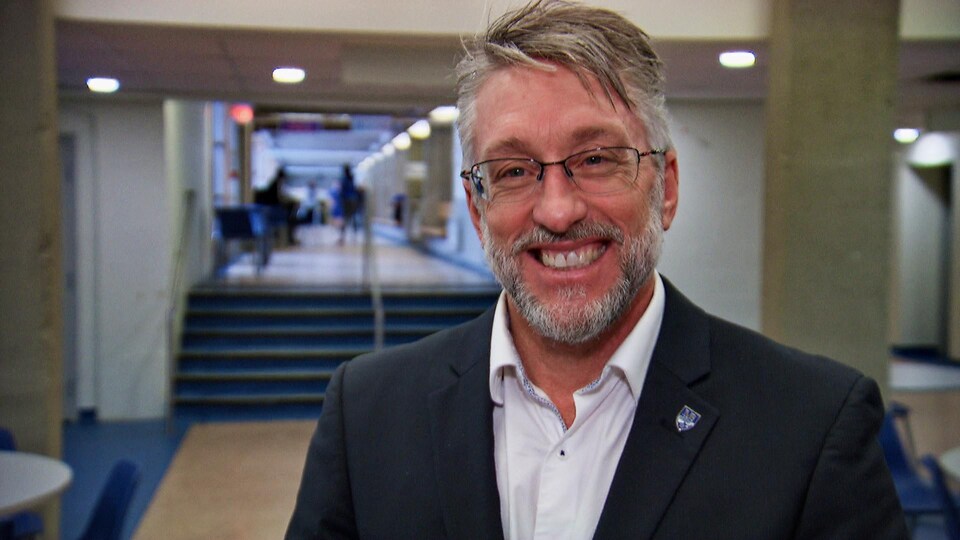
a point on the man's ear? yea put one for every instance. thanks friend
(474, 212)
(671, 188)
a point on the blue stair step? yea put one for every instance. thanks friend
(263, 383)
(266, 354)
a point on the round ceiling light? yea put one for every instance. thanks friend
(288, 75)
(906, 135)
(104, 85)
(737, 59)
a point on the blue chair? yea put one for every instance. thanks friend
(917, 496)
(22, 524)
(246, 223)
(106, 522)
(951, 517)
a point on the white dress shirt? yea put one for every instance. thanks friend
(553, 479)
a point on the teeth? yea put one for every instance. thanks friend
(571, 259)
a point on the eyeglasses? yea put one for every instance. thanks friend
(599, 171)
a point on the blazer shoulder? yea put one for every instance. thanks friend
(450, 351)
(695, 344)
(759, 351)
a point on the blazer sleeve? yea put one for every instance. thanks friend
(851, 492)
(324, 506)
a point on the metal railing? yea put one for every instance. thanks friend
(371, 280)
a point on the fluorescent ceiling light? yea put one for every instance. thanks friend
(103, 84)
(288, 75)
(446, 114)
(737, 59)
(906, 135)
(402, 141)
(419, 130)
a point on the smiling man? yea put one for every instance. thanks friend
(595, 400)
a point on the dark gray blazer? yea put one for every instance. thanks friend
(786, 446)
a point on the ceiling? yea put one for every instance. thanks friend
(396, 75)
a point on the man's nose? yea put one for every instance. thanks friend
(559, 202)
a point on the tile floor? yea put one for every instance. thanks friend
(319, 260)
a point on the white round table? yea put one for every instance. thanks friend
(950, 461)
(26, 480)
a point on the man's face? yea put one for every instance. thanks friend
(572, 263)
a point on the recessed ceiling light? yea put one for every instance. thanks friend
(419, 130)
(906, 135)
(103, 84)
(446, 114)
(288, 75)
(402, 141)
(737, 59)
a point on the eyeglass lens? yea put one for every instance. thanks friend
(597, 171)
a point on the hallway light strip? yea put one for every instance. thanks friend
(420, 130)
(402, 141)
(289, 75)
(105, 85)
(737, 59)
(446, 114)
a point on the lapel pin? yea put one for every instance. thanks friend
(687, 418)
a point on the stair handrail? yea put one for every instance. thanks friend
(371, 278)
(177, 294)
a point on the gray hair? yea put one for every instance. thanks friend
(585, 39)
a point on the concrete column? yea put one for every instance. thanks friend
(827, 230)
(953, 295)
(188, 149)
(414, 186)
(438, 153)
(31, 335)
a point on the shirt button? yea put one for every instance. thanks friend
(563, 454)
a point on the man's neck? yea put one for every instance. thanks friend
(560, 369)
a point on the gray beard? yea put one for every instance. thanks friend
(573, 320)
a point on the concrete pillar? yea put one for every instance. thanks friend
(188, 150)
(437, 194)
(827, 212)
(953, 295)
(31, 335)
(414, 186)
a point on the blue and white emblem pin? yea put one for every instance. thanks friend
(687, 418)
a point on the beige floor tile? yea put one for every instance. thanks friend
(235, 481)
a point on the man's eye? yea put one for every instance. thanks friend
(594, 159)
(512, 172)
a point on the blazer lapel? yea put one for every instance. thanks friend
(658, 454)
(461, 420)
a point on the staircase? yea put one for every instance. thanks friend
(261, 354)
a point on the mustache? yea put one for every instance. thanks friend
(583, 230)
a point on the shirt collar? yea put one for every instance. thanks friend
(632, 357)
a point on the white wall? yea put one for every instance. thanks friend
(712, 251)
(927, 251)
(123, 256)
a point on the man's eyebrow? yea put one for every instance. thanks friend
(515, 147)
(509, 147)
(593, 133)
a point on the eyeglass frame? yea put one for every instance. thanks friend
(470, 174)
